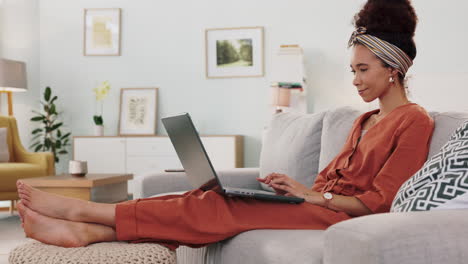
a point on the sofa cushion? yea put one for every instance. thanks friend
(4, 154)
(269, 246)
(291, 146)
(442, 183)
(445, 125)
(337, 124)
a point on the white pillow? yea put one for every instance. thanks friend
(4, 154)
(292, 146)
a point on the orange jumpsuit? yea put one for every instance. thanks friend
(388, 154)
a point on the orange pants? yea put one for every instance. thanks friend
(198, 217)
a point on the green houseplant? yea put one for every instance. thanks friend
(49, 136)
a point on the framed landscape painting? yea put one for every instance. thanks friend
(234, 52)
(102, 32)
(138, 111)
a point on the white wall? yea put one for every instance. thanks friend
(440, 72)
(163, 46)
(19, 37)
(19, 40)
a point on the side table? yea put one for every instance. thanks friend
(103, 188)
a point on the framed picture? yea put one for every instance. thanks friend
(102, 32)
(138, 111)
(234, 52)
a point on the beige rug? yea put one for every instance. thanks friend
(11, 235)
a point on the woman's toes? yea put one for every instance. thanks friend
(26, 187)
(23, 192)
(26, 202)
(20, 206)
(25, 199)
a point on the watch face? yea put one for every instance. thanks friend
(328, 196)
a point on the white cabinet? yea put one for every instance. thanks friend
(151, 154)
(105, 155)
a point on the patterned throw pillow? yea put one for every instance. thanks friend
(442, 183)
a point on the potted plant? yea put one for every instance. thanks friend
(100, 93)
(49, 136)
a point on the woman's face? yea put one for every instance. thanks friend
(371, 78)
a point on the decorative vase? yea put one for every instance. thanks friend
(77, 168)
(99, 130)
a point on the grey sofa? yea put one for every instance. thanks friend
(417, 237)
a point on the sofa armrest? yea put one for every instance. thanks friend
(157, 183)
(415, 237)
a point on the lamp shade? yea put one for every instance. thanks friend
(12, 75)
(281, 97)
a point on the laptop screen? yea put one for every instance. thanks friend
(189, 148)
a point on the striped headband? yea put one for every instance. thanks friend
(391, 54)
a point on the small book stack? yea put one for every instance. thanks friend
(289, 82)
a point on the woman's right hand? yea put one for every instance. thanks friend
(267, 180)
(285, 185)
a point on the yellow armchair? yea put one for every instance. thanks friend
(22, 164)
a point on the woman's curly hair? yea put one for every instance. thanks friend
(391, 20)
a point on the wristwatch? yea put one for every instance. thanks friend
(328, 196)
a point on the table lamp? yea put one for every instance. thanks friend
(12, 79)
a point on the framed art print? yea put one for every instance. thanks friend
(234, 52)
(102, 32)
(138, 111)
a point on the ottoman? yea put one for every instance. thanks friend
(99, 253)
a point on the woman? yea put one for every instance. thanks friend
(384, 148)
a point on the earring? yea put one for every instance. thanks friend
(391, 79)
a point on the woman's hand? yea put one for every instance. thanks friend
(284, 185)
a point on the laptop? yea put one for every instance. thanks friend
(197, 164)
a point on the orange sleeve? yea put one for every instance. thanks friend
(319, 183)
(408, 156)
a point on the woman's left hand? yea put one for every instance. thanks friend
(291, 187)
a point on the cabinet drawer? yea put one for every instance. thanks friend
(152, 164)
(104, 155)
(160, 146)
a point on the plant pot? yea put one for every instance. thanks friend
(99, 130)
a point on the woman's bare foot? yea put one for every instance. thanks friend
(49, 204)
(66, 208)
(63, 233)
(20, 213)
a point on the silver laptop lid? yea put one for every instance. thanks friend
(191, 152)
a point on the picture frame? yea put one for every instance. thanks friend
(234, 52)
(102, 32)
(138, 111)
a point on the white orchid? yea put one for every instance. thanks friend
(102, 90)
